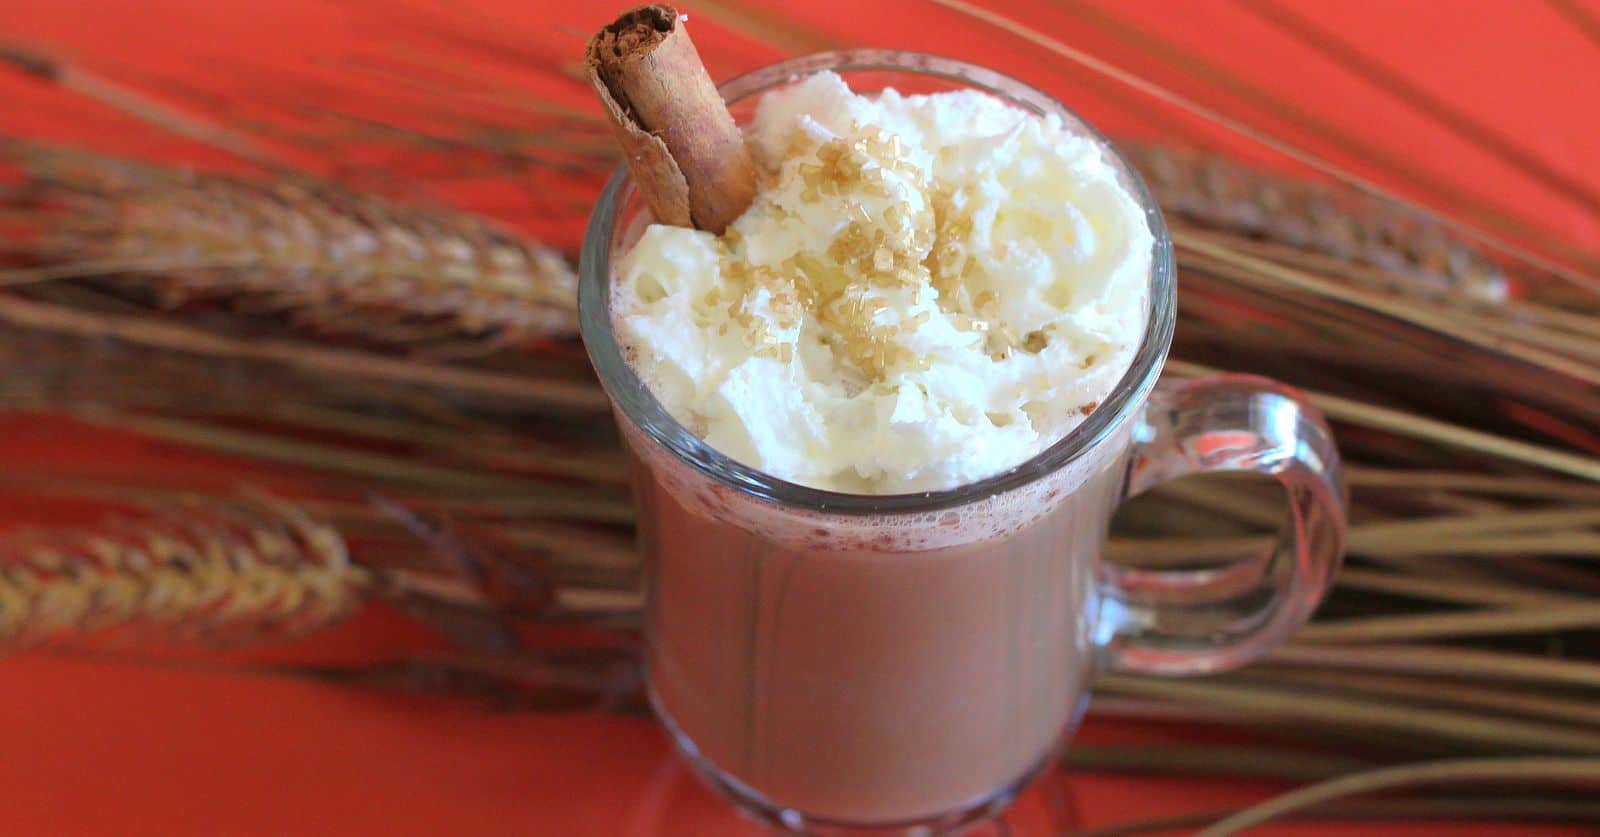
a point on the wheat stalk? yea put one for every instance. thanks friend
(1584, 771)
(1496, 808)
(86, 355)
(47, 66)
(212, 572)
(336, 260)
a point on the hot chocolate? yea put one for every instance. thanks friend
(926, 290)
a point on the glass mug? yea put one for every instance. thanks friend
(843, 663)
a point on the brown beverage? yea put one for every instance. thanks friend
(864, 681)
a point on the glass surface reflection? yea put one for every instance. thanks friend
(675, 802)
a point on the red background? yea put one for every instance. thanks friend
(91, 748)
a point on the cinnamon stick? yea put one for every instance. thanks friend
(686, 154)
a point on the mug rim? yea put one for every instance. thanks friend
(633, 401)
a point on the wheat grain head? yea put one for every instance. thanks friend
(334, 259)
(1215, 192)
(212, 572)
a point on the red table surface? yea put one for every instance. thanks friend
(95, 748)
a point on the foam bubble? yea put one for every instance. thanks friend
(1096, 471)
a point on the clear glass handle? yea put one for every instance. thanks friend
(1194, 621)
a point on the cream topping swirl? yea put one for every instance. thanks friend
(927, 290)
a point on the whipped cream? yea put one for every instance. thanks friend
(927, 290)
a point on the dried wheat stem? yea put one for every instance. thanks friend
(1583, 345)
(589, 604)
(1447, 808)
(1562, 544)
(272, 448)
(89, 269)
(559, 395)
(1574, 322)
(1514, 699)
(1419, 427)
(1237, 506)
(1490, 137)
(1444, 661)
(1497, 770)
(487, 447)
(397, 71)
(1360, 476)
(769, 26)
(70, 76)
(1149, 709)
(1538, 619)
(619, 602)
(1196, 250)
(1263, 763)
(1179, 550)
(1325, 709)
(581, 549)
(1543, 520)
(595, 507)
(1457, 591)
(1428, 284)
